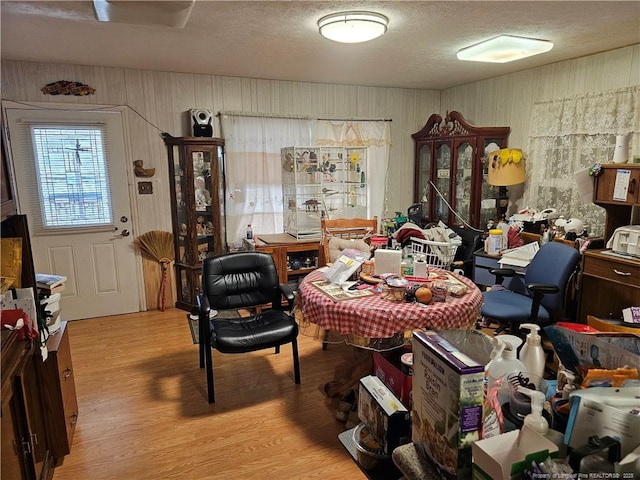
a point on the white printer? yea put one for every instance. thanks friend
(626, 240)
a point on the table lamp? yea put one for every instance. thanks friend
(506, 167)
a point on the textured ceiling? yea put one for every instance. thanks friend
(279, 40)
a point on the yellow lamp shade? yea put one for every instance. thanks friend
(506, 167)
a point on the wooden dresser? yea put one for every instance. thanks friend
(59, 400)
(609, 283)
(39, 404)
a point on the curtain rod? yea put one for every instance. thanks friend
(299, 117)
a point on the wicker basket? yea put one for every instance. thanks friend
(436, 254)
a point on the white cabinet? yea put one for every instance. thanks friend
(322, 181)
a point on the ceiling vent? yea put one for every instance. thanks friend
(165, 12)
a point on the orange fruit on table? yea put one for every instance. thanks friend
(423, 295)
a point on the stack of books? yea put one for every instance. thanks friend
(49, 284)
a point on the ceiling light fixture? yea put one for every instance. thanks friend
(170, 13)
(353, 27)
(503, 49)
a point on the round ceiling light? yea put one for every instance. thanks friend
(353, 27)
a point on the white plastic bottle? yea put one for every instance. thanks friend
(503, 362)
(506, 363)
(532, 354)
(535, 420)
(420, 266)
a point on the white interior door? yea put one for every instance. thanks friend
(97, 254)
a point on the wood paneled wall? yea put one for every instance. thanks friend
(508, 99)
(159, 102)
(163, 98)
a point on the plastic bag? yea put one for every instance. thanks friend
(349, 261)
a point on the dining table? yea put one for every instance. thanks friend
(369, 320)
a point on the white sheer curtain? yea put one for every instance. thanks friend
(375, 135)
(253, 171)
(569, 135)
(253, 164)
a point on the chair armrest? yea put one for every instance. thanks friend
(539, 289)
(203, 306)
(500, 273)
(543, 288)
(287, 293)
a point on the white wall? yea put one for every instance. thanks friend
(162, 98)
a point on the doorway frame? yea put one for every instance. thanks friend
(128, 160)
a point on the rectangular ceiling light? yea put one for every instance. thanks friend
(503, 49)
(170, 13)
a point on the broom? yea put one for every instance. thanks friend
(158, 246)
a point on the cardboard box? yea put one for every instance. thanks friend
(602, 411)
(448, 390)
(600, 349)
(511, 453)
(382, 412)
(397, 381)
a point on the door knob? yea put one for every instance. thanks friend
(125, 233)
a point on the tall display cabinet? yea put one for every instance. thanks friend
(452, 154)
(196, 169)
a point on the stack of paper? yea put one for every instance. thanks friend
(519, 257)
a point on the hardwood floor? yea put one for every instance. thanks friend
(143, 411)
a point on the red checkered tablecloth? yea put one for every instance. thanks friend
(375, 317)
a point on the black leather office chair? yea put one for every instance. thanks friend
(548, 277)
(471, 241)
(244, 280)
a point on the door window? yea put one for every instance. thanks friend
(73, 179)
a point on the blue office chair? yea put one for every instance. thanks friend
(548, 278)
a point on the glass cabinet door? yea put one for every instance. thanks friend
(182, 214)
(424, 175)
(463, 181)
(200, 159)
(443, 178)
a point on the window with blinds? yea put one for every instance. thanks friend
(72, 174)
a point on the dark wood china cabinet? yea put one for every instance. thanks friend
(196, 169)
(451, 154)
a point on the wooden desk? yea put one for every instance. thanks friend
(373, 317)
(482, 263)
(283, 247)
(609, 283)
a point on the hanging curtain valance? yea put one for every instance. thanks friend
(613, 112)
